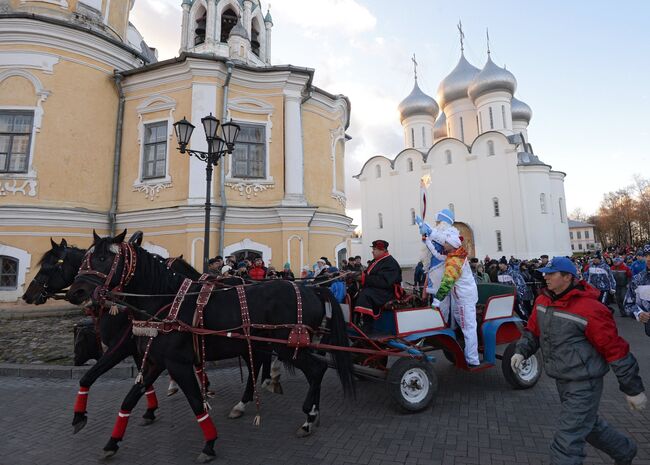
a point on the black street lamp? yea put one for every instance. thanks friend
(217, 148)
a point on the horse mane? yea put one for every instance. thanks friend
(152, 271)
(51, 253)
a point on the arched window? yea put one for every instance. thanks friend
(451, 208)
(561, 205)
(228, 20)
(412, 215)
(255, 38)
(462, 130)
(8, 273)
(495, 206)
(378, 171)
(412, 137)
(448, 156)
(199, 31)
(491, 118)
(503, 116)
(542, 202)
(477, 125)
(490, 145)
(424, 139)
(380, 220)
(409, 165)
(480, 121)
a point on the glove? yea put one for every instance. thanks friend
(637, 402)
(435, 303)
(516, 361)
(612, 291)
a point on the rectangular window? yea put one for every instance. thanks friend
(15, 140)
(579, 234)
(154, 156)
(8, 273)
(503, 115)
(249, 156)
(462, 130)
(412, 137)
(424, 139)
(580, 246)
(499, 243)
(573, 247)
(491, 118)
(587, 234)
(571, 234)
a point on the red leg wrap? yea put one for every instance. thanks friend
(205, 422)
(82, 400)
(120, 424)
(152, 400)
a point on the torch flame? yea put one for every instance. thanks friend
(425, 181)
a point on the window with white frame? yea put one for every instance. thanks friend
(587, 234)
(573, 247)
(579, 234)
(409, 165)
(448, 156)
(491, 118)
(380, 220)
(499, 242)
(8, 273)
(412, 215)
(490, 145)
(495, 206)
(154, 154)
(580, 246)
(378, 171)
(249, 156)
(15, 140)
(542, 202)
(570, 234)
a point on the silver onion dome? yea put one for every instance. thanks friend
(417, 103)
(238, 30)
(492, 78)
(520, 111)
(454, 86)
(440, 128)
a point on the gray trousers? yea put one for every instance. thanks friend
(579, 422)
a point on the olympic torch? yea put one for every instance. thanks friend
(425, 181)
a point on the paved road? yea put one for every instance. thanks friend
(475, 419)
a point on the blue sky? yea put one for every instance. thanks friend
(582, 66)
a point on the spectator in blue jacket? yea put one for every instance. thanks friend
(637, 299)
(600, 276)
(337, 286)
(639, 264)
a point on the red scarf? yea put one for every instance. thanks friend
(372, 265)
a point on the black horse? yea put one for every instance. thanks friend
(271, 303)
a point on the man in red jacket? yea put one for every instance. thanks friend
(258, 271)
(580, 343)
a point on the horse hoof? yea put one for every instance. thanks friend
(79, 425)
(210, 393)
(204, 458)
(107, 454)
(171, 392)
(303, 432)
(148, 421)
(234, 414)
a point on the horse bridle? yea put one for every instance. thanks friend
(126, 252)
(42, 287)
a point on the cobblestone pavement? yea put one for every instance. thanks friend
(476, 419)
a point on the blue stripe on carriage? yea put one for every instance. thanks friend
(414, 337)
(490, 329)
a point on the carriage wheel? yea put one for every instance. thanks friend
(412, 384)
(527, 375)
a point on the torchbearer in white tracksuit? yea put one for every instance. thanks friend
(458, 281)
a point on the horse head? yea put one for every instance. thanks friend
(102, 266)
(59, 266)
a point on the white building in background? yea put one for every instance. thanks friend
(476, 150)
(582, 236)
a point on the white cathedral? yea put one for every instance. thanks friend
(481, 165)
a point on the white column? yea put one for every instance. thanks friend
(185, 27)
(204, 102)
(267, 57)
(293, 150)
(211, 15)
(248, 5)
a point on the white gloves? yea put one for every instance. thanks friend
(637, 402)
(516, 361)
(435, 303)
(612, 291)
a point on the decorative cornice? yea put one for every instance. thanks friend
(249, 189)
(340, 198)
(12, 186)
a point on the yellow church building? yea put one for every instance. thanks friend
(87, 140)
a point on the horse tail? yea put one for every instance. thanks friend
(339, 337)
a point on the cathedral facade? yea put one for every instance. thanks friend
(472, 143)
(87, 140)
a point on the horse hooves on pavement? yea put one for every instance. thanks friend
(171, 392)
(304, 431)
(107, 454)
(79, 425)
(148, 421)
(234, 414)
(204, 458)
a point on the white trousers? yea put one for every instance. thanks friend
(465, 315)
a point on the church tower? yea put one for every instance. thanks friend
(228, 28)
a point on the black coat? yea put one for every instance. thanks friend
(379, 283)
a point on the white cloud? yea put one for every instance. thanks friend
(159, 22)
(341, 16)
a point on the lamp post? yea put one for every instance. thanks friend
(217, 148)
